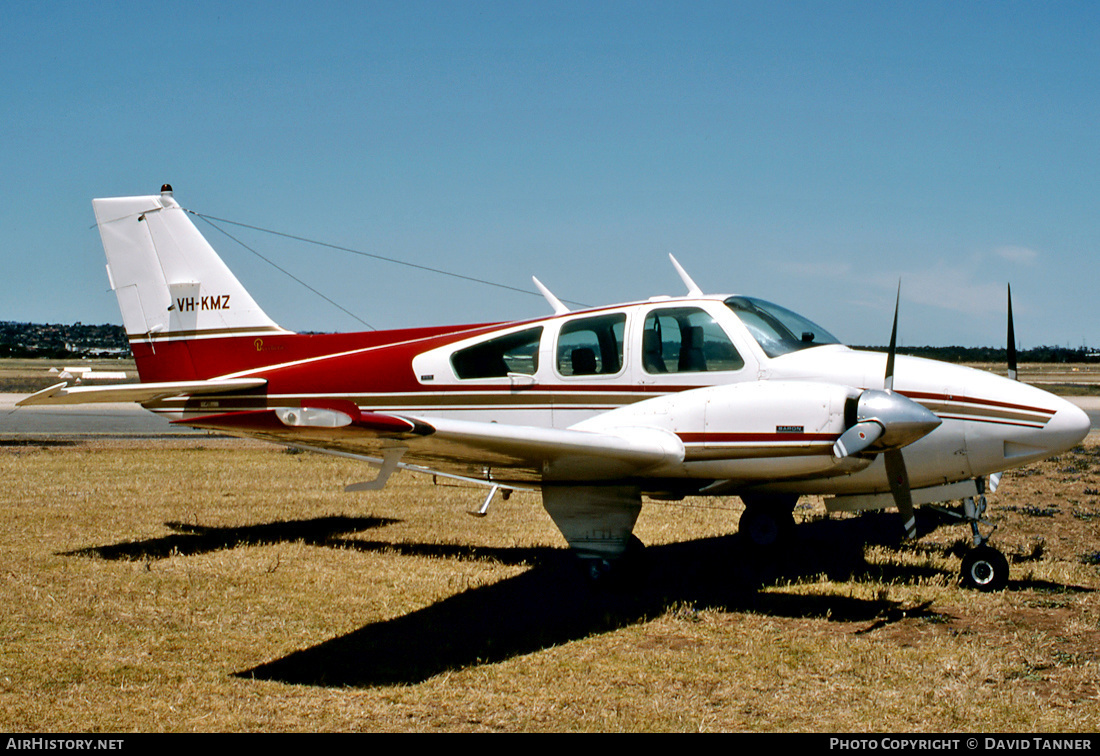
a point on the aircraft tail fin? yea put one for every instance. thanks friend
(171, 285)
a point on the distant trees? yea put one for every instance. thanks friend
(60, 340)
(1044, 354)
(78, 340)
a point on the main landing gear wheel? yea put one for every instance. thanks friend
(985, 569)
(766, 527)
(600, 571)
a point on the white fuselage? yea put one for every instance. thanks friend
(989, 423)
(696, 368)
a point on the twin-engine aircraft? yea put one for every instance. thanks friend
(711, 395)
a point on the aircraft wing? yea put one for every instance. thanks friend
(63, 393)
(485, 451)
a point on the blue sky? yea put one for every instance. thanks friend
(812, 153)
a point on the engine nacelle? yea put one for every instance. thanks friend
(762, 430)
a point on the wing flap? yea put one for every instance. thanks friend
(473, 449)
(313, 421)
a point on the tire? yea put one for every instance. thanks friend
(602, 572)
(984, 569)
(766, 527)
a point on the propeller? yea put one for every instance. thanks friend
(1011, 339)
(888, 381)
(899, 488)
(995, 478)
(884, 422)
(857, 438)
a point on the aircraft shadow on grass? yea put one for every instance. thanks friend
(552, 602)
(189, 540)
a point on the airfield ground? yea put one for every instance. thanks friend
(208, 584)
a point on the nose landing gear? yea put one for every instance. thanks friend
(984, 568)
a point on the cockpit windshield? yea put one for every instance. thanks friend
(778, 330)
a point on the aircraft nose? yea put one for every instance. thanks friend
(1024, 424)
(1067, 428)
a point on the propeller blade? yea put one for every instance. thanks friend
(899, 488)
(857, 438)
(888, 381)
(1011, 339)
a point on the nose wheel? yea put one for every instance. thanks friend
(984, 568)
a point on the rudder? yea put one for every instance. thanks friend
(172, 287)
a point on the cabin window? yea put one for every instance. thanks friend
(686, 340)
(592, 346)
(515, 353)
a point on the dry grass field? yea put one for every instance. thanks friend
(219, 585)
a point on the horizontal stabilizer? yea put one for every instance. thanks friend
(62, 393)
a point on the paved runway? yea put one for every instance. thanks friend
(122, 419)
(1091, 405)
(132, 420)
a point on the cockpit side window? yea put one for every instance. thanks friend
(686, 340)
(591, 346)
(514, 353)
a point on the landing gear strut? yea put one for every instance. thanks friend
(984, 568)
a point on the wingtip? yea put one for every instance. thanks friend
(43, 396)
